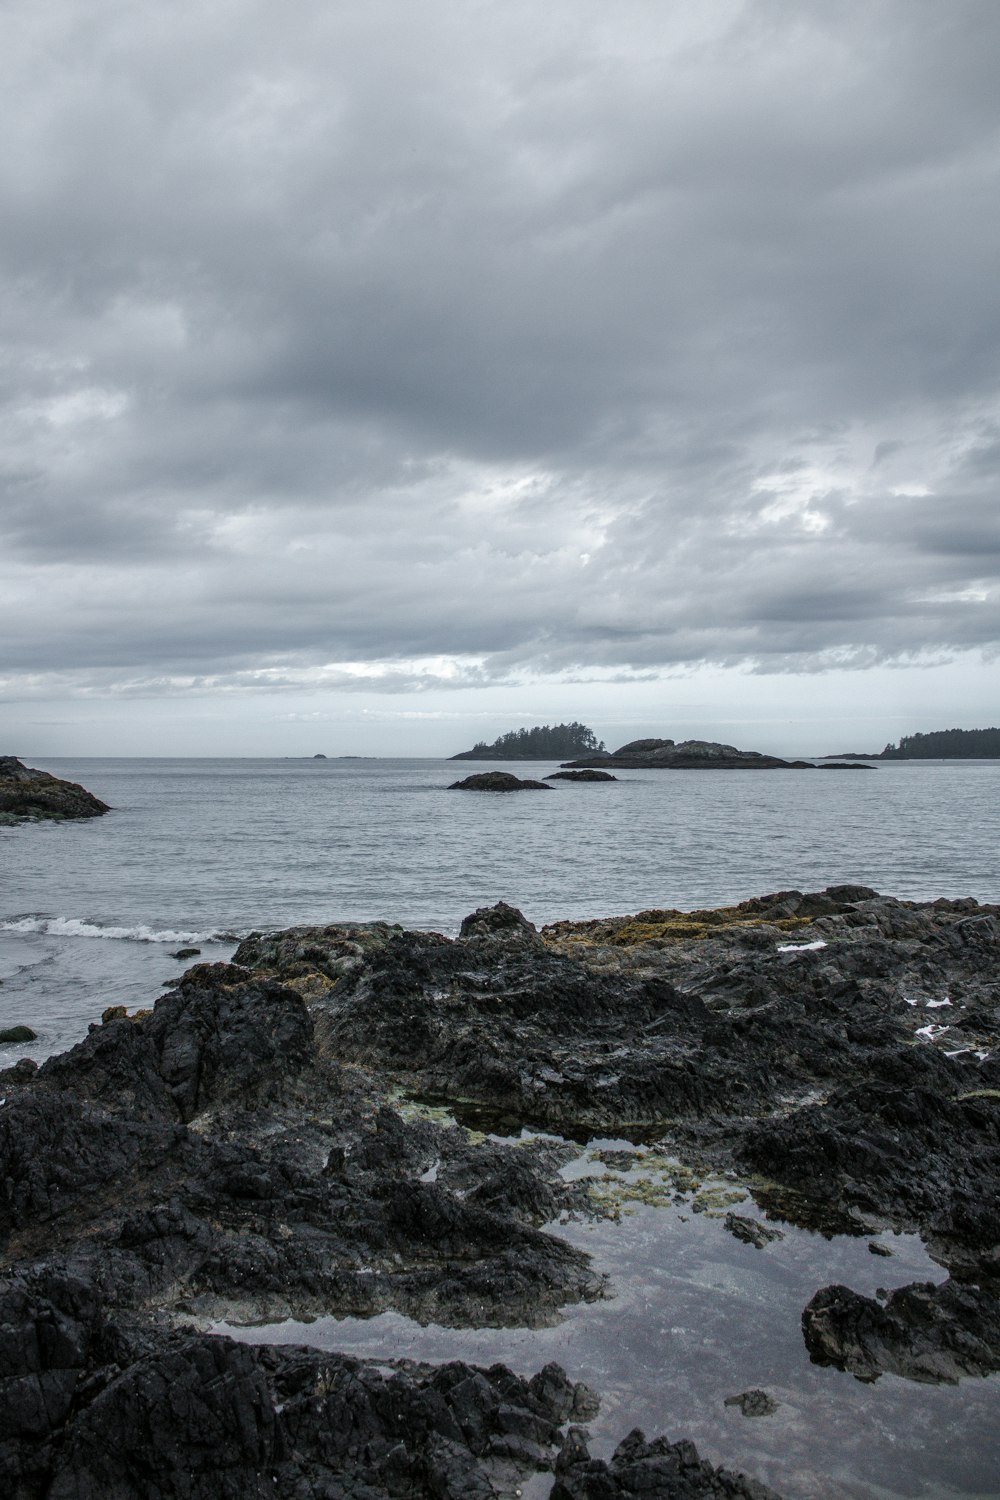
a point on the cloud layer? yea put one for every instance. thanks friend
(389, 346)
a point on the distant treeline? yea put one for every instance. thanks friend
(544, 742)
(940, 744)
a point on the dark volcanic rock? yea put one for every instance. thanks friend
(240, 1154)
(93, 1405)
(661, 1469)
(753, 1403)
(27, 795)
(934, 1334)
(497, 781)
(259, 1180)
(498, 922)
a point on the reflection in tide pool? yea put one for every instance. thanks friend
(695, 1316)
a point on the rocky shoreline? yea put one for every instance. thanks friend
(278, 1138)
(31, 796)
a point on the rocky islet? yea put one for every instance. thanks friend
(246, 1151)
(30, 796)
(695, 755)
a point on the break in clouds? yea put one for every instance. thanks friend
(383, 344)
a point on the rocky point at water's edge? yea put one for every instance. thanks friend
(245, 1152)
(30, 796)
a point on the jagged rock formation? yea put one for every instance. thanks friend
(28, 796)
(924, 1332)
(241, 1153)
(673, 1471)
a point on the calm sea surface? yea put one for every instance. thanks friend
(199, 849)
(196, 853)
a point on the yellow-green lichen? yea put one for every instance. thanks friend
(663, 928)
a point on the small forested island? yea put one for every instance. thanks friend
(543, 742)
(939, 744)
(946, 744)
(30, 796)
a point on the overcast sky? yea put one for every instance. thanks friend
(378, 377)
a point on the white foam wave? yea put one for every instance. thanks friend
(77, 927)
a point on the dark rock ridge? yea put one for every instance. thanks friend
(689, 755)
(497, 781)
(580, 776)
(28, 796)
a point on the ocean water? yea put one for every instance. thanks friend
(198, 852)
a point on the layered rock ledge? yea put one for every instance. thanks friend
(29, 796)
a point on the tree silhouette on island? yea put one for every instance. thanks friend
(544, 742)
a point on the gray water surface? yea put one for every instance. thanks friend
(194, 849)
(695, 1316)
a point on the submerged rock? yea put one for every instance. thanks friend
(29, 796)
(751, 1231)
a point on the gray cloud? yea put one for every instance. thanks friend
(620, 338)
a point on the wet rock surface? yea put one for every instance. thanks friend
(836, 1048)
(97, 1404)
(673, 1471)
(923, 1332)
(250, 1149)
(30, 796)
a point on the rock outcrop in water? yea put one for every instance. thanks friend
(695, 755)
(30, 796)
(245, 1153)
(497, 781)
(580, 776)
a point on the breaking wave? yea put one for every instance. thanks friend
(77, 927)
